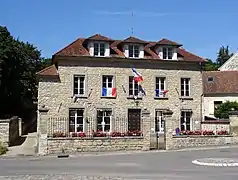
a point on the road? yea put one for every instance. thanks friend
(149, 165)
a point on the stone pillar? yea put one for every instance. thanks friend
(42, 125)
(145, 114)
(170, 126)
(233, 117)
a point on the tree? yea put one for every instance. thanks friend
(225, 108)
(209, 65)
(19, 62)
(223, 55)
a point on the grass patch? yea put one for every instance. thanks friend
(3, 149)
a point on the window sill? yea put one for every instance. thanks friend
(108, 97)
(186, 98)
(162, 98)
(132, 97)
(80, 96)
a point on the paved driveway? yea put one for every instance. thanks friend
(149, 165)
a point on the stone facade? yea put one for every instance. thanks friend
(69, 145)
(57, 95)
(216, 126)
(9, 130)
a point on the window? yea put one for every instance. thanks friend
(185, 121)
(99, 49)
(133, 87)
(133, 51)
(159, 121)
(160, 86)
(104, 117)
(217, 104)
(210, 79)
(167, 53)
(76, 120)
(79, 85)
(107, 86)
(185, 87)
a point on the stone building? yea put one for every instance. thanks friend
(91, 82)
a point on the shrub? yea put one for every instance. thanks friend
(222, 132)
(3, 149)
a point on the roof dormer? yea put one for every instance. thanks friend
(99, 45)
(167, 49)
(133, 47)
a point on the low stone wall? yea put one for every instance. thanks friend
(216, 125)
(99, 144)
(180, 142)
(9, 130)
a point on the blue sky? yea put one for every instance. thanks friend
(202, 26)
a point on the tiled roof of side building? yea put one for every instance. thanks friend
(49, 71)
(220, 82)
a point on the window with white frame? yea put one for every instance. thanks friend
(167, 53)
(99, 49)
(159, 86)
(107, 81)
(133, 87)
(108, 88)
(134, 51)
(104, 118)
(76, 120)
(159, 121)
(185, 86)
(185, 121)
(79, 85)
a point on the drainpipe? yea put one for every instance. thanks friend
(201, 109)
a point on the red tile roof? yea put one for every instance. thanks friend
(49, 71)
(220, 82)
(76, 48)
(168, 42)
(79, 48)
(99, 37)
(132, 39)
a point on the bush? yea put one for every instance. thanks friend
(3, 149)
(225, 108)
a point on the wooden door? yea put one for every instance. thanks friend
(134, 119)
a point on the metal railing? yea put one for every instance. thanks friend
(117, 127)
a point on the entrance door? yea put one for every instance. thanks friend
(134, 119)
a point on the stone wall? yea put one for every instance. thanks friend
(57, 95)
(9, 130)
(216, 125)
(70, 145)
(181, 142)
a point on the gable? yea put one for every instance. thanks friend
(231, 64)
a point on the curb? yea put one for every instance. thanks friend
(215, 164)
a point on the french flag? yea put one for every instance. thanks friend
(160, 93)
(109, 92)
(137, 76)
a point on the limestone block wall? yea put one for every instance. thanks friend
(200, 141)
(216, 126)
(69, 145)
(9, 130)
(57, 95)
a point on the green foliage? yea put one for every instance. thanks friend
(3, 149)
(225, 108)
(223, 55)
(210, 66)
(19, 62)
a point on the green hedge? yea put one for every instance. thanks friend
(3, 149)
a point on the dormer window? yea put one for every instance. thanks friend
(167, 53)
(134, 51)
(99, 49)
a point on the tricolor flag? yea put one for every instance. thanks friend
(160, 93)
(137, 76)
(109, 92)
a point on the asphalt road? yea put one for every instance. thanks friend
(149, 165)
